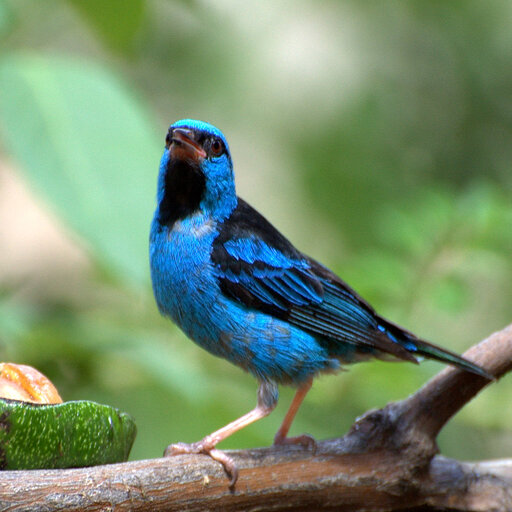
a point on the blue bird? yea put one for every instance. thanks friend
(239, 289)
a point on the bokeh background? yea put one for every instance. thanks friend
(377, 135)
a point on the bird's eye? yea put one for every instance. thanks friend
(216, 147)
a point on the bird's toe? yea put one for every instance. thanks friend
(229, 465)
(304, 440)
(180, 449)
(205, 447)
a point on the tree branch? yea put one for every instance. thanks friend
(387, 461)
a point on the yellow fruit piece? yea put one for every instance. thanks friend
(22, 382)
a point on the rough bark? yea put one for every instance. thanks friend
(387, 461)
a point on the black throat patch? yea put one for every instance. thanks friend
(184, 188)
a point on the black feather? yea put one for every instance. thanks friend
(185, 185)
(308, 295)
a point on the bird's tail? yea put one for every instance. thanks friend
(423, 348)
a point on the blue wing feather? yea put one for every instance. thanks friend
(268, 274)
(258, 267)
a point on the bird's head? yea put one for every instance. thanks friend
(196, 172)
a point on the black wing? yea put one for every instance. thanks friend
(260, 268)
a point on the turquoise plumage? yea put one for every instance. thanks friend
(242, 291)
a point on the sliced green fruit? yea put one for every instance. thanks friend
(71, 434)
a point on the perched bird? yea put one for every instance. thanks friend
(238, 288)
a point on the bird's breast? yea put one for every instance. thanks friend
(186, 289)
(181, 269)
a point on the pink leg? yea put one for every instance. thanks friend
(280, 437)
(267, 400)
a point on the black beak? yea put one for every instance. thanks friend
(184, 147)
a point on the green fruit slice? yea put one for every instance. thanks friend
(71, 434)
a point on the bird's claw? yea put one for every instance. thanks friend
(304, 440)
(184, 448)
(229, 465)
(206, 448)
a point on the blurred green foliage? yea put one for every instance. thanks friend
(377, 135)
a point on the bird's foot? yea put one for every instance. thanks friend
(206, 447)
(304, 440)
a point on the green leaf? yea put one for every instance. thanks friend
(89, 147)
(6, 18)
(116, 21)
